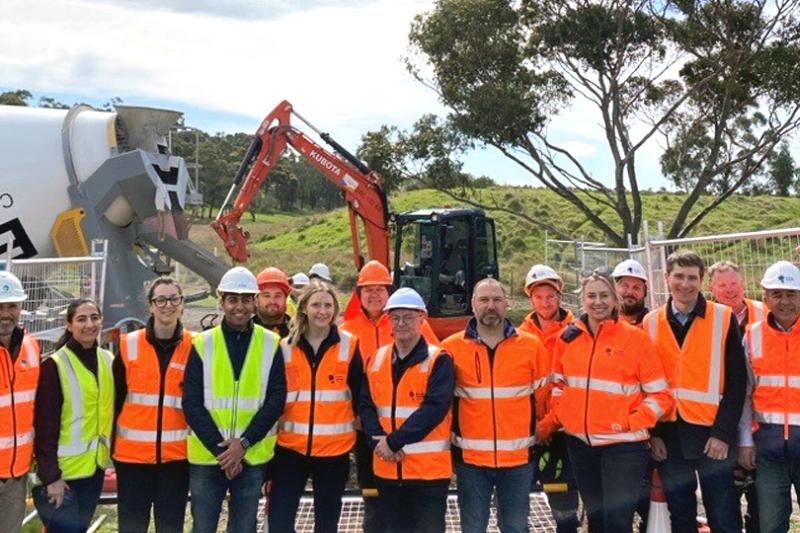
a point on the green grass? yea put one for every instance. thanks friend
(295, 241)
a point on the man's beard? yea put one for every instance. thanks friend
(632, 309)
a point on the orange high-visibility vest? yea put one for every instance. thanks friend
(372, 335)
(18, 382)
(696, 370)
(756, 311)
(495, 398)
(610, 387)
(775, 359)
(146, 417)
(428, 459)
(548, 338)
(318, 419)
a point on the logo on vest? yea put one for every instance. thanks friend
(416, 396)
(336, 379)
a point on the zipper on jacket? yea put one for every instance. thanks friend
(11, 376)
(588, 380)
(786, 392)
(235, 408)
(490, 355)
(394, 411)
(160, 422)
(313, 398)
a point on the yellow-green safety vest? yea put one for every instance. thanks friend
(233, 404)
(87, 414)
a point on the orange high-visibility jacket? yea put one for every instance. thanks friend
(372, 335)
(756, 311)
(548, 338)
(428, 459)
(18, 382)
(609, 388)
(775, 360)
(151, 428)
(494, 398)
(696, 370)
(318, 419)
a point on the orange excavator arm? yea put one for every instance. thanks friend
(362, 188)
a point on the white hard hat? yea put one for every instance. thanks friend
(782, 275)
(539, 274)
(238, 280)
(10, 288)
(630, 268)
(320, 270)
(300, 279)
(405, 298)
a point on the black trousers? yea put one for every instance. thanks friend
(373, 519)
(413, 508)
(140, 487)
(290, 471)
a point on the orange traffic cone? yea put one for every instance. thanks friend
(658, 516)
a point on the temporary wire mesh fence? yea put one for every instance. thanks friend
(52, 283)
(753, 252)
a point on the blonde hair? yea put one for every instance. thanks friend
(605, 278)
(722, 266)
(298, 325)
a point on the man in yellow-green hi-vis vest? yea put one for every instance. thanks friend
(233, 394)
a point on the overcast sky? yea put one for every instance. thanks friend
(226, 64)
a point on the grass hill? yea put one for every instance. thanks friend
(295, 241)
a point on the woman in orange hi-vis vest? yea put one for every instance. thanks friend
(609, 389)
(318, 426)
(150, 432)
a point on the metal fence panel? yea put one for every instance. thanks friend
(52, 283)
(752, 251)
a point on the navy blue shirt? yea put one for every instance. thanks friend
(690, 438)
(199, 418)
(432, 410)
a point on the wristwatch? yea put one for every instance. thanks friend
(244, 442)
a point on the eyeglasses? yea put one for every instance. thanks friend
(162, 301)
(236, 299)
(402, 319)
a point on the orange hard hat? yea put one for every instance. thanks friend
(374, 273)
(273, 276)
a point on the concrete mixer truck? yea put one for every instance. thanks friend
(68, 177)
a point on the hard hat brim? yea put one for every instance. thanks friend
(778, 286)
(13, 299)
(553, 283)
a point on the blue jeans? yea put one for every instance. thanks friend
(609, 480)
(208, 486)
(77, 509)
(475, 487)
(720, 498)
(774, 487)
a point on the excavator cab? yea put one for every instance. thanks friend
(454, 246)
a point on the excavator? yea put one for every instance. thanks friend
(439, 252)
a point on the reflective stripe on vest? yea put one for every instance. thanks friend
(86, 414)
(425, 460)
(153, 403)
(611, 438)
(17, 408)
(322, 394)
(232, 404)
(756, 311)
(485, 393)
(776, 374)
(489, 445)
(688, 397)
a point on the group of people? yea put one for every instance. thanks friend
(281, 392)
